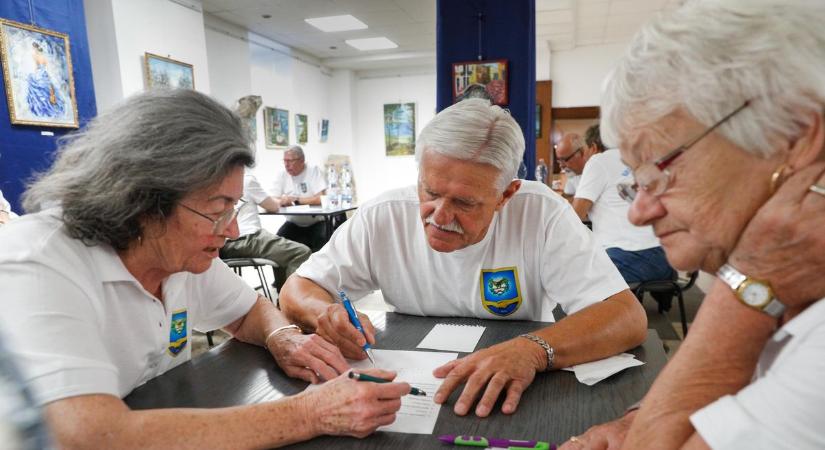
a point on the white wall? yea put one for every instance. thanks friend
(578, 74)
(375, 171)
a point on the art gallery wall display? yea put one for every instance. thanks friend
(37, 70)
(276, 127)
(492, 75)
(161, 72)
(399, 129)
(301, 130)
(323, 130)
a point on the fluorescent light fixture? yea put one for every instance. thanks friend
(379, 43)
(336, 23)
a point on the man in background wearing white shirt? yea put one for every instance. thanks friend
(255, 242)
(300, 184)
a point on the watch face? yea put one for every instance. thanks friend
(755, 294)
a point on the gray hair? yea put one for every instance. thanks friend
(474, 130)
(297, 150)
(135, 163)
(709, 57)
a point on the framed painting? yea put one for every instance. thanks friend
(163, 72)
(301, 128)
(491, 75)
(538, 120)
(37, 69)
(276, 127)
(323, 130)
(399, 129)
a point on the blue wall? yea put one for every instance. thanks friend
(508, 32)
(24, 151)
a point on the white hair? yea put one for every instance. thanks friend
(474, 130)
(709, 57)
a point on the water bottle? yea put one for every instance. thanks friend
(333, 193)
(346, 186)
(541, 171)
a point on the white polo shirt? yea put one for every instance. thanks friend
(308, 183)
(602, 173)
(79, 323)
(536, 254)
(784, 406)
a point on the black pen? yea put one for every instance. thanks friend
(364, 377)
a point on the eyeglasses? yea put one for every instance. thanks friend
(569, 157)
(291, 160)
(653, 177)
(220, 224)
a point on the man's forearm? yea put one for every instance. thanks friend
(598, 331)
(302, 301)
(717, 358)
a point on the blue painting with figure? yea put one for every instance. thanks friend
(37, 69)
(399, 129)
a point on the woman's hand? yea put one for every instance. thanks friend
(346, 407)
(607, 436)
(784, 243)
(306, 356)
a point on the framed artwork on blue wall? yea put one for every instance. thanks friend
(37, 70)
(490, 76)
(167, 73)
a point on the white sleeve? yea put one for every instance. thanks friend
(570, 185)
(576, 272)
(783, 409)
(593, 181)
(344, 262)
(223, 297)
(55, 334)
(278, 185)
(317, 182)
(252, 190)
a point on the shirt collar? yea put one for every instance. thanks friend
(108, 265)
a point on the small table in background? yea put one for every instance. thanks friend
(313, 211)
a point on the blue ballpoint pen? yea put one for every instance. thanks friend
(353, 318)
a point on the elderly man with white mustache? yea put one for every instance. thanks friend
(473, 241)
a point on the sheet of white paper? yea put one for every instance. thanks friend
(592, 372)
(457, 338)
(417, 414)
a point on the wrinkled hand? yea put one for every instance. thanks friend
(346, 407)
(607, 436)
(307, 356)
(287, 200)
(334, 326)
(510, 365)
(784, 243)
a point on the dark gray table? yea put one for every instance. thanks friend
(555, 407)
(313, 211)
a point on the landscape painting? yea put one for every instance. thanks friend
(301, 128)
(399, 129)
(167, 73)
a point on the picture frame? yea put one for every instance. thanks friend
(38, 74)
(538, 120)
(301, 128)
(399, 129)
(163, 72)
(492, 75)
(323, 130)
(276, 127)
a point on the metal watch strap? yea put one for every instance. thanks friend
(734, 278)
(547, 348)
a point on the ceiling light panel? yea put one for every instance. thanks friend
(332, 24)
(378, 43)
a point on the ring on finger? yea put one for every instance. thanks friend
(575, 439)
(818, 188)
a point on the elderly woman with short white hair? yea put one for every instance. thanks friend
(718, 110)
(101, 290)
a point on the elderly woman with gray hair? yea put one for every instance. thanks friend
(102, 290)
(736, 89)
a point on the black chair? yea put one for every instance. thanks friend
(668, 289)
(237, 264)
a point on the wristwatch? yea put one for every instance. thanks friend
(754, 293)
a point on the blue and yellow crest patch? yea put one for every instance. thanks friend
(500, 290)
(177, 332)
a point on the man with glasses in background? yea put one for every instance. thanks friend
(572, 153)
(301, 184)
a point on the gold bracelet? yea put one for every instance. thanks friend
(278, 330)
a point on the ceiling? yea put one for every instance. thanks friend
(563, 24)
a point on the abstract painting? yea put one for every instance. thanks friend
(37, 69)
(399, 129)
(492, 75)
(323, 130)
(167, 73)
(301, 128)
(276, 127)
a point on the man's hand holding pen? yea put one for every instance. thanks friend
(334, 325)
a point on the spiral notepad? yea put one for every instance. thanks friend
(451, 337)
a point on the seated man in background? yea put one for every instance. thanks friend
(301, 184)
(634, 250)
(572, 154)
(255, 242)
(472, 241)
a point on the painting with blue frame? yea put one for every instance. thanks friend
(37, 69)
